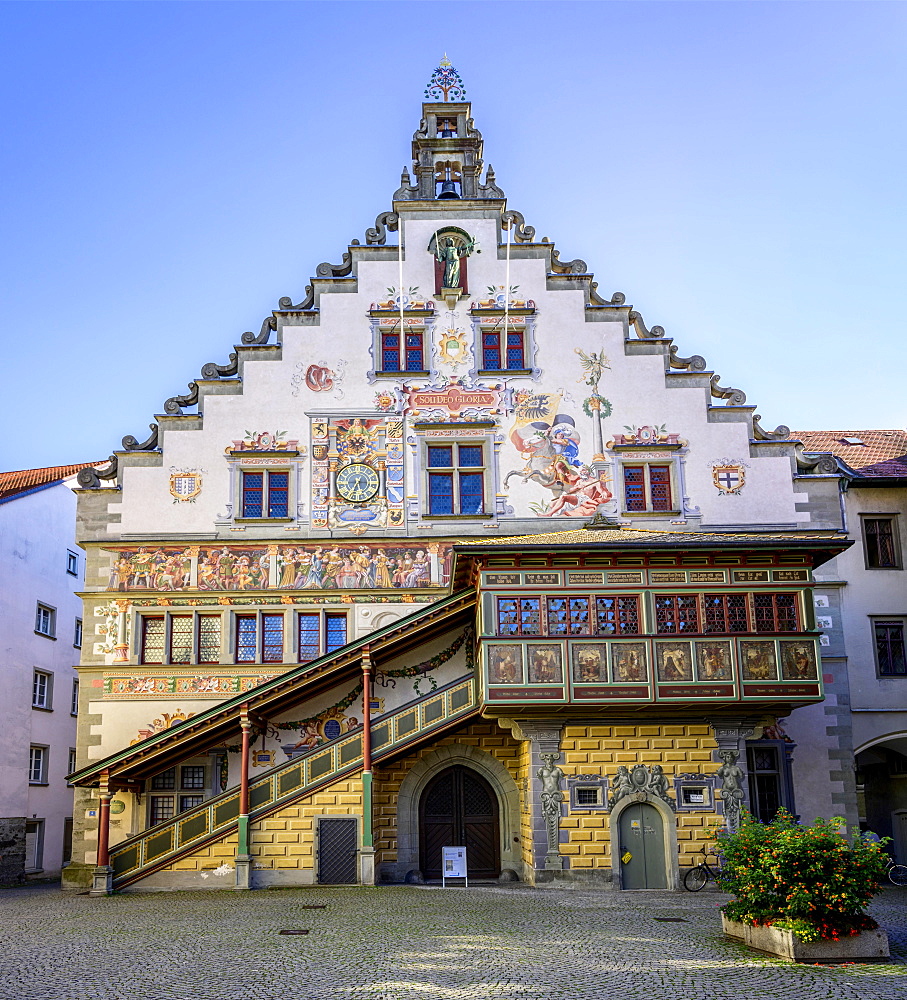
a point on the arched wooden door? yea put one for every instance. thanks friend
(642, 845)
(459, 808)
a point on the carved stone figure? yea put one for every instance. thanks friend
(551, 776)
(449, 255)
(731, 790)
(622, 786)
(658, 783)
(641, 782)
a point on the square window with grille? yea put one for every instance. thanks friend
(647, 488)
(456, 479)
(519, 616)
(265, 494)
(617, 614)
(259, 638)
(181, 639)
(588, 796)
(775, 612)
(403, 354)
(567, 615)
(319, 633)
(502, 352)
(160, 809)
(764, 764)
(889, 645)
(166, 779)
(676, 615)
(190, 801)
(724, 613)
(880, 543)
(192, 776)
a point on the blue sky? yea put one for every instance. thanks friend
(172, 169)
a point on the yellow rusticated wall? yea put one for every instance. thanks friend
(524, 785)
(594, 749)
(485, 736)
(285, 839)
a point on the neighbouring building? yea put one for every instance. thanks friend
(455, 551)
(41, 573)
(861, 609)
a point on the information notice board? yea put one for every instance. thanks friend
(453, 864)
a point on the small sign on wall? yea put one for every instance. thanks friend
(453, 864)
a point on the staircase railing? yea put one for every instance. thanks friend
(303, 774)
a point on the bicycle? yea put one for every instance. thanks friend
(897, 874)
(698, 878)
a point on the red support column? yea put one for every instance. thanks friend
(102, 879)
(367, 852)
(104, 829)
(244, 773)
(243, 857)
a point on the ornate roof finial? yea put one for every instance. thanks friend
(445, 83)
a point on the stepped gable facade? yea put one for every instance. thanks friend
(454, 550)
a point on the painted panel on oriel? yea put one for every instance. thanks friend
(629, 662)
(673, 662)
(544, 663)
(798, 660)
(590, 662)
(757, 660)
(505, 664)
(713, 661)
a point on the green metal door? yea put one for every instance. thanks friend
(642, 844)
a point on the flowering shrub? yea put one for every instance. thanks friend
(808, 879)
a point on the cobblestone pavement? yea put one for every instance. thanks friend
(407, 943)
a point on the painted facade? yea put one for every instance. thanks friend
(455, 547)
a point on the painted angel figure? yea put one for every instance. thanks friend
(449, 255)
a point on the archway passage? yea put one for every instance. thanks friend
(459, 807)
(642, 843)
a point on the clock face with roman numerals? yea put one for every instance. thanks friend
(357, 483)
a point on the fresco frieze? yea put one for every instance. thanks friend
(229, 568)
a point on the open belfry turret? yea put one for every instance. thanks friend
(453, 551)
(447, 148)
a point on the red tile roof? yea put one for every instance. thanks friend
(12, 483)
(874, 446)
(893, 468)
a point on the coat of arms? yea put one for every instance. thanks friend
(728, 479)
(185, 485)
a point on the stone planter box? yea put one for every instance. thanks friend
(869, 946)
